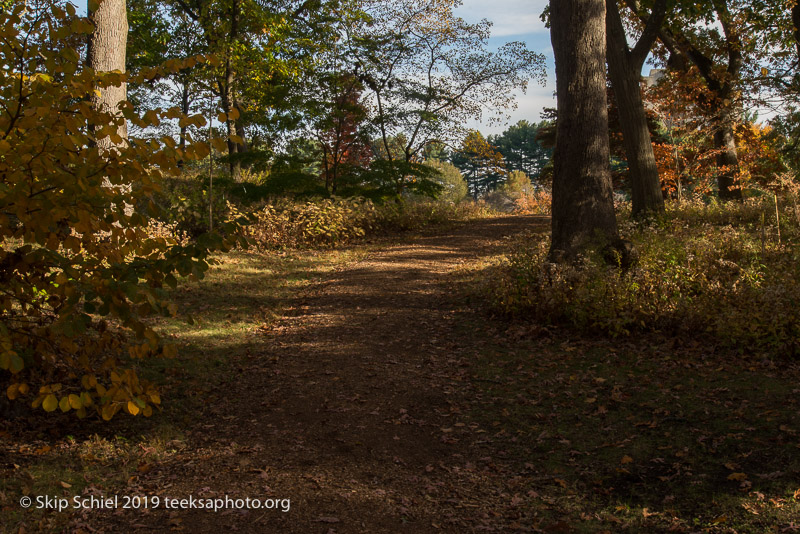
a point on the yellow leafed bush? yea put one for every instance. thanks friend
(78, 271)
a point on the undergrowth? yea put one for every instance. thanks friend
(294, 223)
(728, 272)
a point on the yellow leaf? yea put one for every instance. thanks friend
(132, 408)
(626, 460)
(219, 144)
(222, 117)
(64, 404)
(148, 411)
(12, 391)
(23, 389)
(75, 402)
(50, 403)
(737, 476)
(108, 412)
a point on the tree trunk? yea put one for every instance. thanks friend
(583, 206)
(728, 157)
(625, 72)
(185, 111)
(227, 92)
(105, 53)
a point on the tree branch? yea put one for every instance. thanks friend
(657, 16)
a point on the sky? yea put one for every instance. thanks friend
(517, 20)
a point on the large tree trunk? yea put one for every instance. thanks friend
(105, 53)
(583, 206)
(624, 68)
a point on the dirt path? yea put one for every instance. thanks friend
(351, 407)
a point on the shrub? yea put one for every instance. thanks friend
(535, 202)
(320, 223)
(517, 183)
(183, 205)
(78, 271)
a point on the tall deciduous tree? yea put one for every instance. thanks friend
(583, 206)
(624, 69)
(719, 58)
(429, 71)
(106, 53)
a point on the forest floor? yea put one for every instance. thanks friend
(382, 396)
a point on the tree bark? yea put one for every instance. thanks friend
(105, 53)
(624, 68)
(583, 206)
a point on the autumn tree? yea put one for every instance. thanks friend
(79, 274)
(338, 128)
(428, 71)
(720, 59)
(454, 188)
(583, 207)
